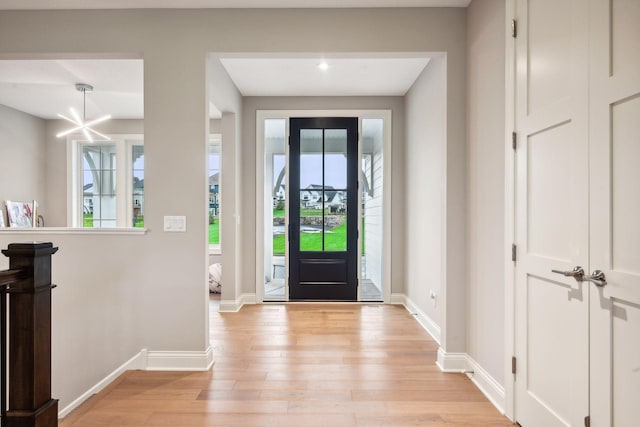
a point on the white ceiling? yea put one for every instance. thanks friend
(44, 88)
(205, 4)
(301, 76)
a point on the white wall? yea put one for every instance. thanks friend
(179, 82)
(425, 188)
(435, 187)
(22, 158)
(486, 175)
(229, 211)
(95, 307)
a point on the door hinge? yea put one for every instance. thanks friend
(513, 365)
(289, 139)
(514, 28)
(514, 140)
(514, 250)
(587, 421)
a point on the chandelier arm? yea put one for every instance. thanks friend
(99, 134)
(96, 121)
(87, 134)
(67, 132)
(77, 123)
(75, 115)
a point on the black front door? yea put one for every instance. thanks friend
(323, 212)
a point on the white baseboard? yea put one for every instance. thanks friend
(425, 321)
(249, 298)
(229, 306)
(179, 360)
(463, 363)
(233, 306)
(452, 362)
(398, 299)
(149, 361)
(136, 362)
(487, 384)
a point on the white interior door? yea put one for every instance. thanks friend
(615, 211)
(552, 208)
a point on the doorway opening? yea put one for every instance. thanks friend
(371, 210)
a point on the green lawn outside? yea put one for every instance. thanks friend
(334, 241)
(87, 221)
(278, 245)
(214, 233)
(313, 241)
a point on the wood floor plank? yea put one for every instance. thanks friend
(300, 365)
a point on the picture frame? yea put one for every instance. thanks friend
(2, 223)
(20, 214)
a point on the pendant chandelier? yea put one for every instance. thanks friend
(82, 124)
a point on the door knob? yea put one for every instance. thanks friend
(577, 273)
(597, 278)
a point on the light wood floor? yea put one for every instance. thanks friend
(301, 365)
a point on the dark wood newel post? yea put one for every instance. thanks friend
(30, 402)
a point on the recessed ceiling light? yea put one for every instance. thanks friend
(323, 66)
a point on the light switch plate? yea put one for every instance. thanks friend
(175, 224)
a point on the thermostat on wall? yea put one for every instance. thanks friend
(175, 224)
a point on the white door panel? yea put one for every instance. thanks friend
(624, 31)
(615, 211)
(577, 203)
(552, 208)
(549, 66)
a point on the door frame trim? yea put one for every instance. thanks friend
(386, 115)
(510, 211)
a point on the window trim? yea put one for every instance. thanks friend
(215, 138)
(124, 199)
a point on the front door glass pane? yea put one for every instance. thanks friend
(335, 190)
(310, 159)
(335, 224)
(311, 182)
(311, 216)
(335, 159)
(323, 190)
